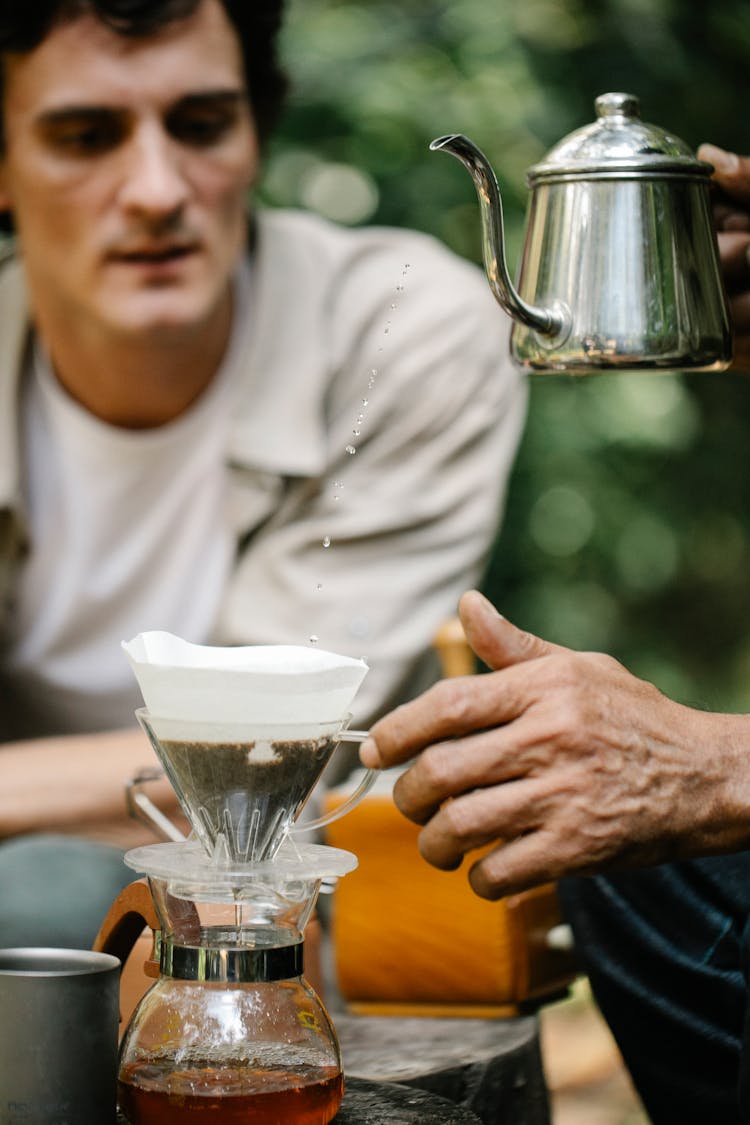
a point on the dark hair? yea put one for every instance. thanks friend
(25, 23)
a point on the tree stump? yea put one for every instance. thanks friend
(384, 1103)
(491, 1067)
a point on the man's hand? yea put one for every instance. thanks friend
(565, 760)
(731, 181)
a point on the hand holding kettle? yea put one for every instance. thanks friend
(731, 209)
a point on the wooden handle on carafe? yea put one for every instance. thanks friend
(129, 914)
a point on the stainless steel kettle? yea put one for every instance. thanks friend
(620, 266)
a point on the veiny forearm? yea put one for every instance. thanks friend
(74, 783)
(722, 795)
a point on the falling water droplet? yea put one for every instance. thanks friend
(393, 306)
(365, 402)
(327, 541)
(313, 639)
(351, 450)
(356, 434)
(319, 586)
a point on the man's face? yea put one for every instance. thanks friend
(126, 166)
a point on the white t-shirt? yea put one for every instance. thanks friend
(130, 531)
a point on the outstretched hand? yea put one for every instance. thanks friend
(731, 180)
(564, 760)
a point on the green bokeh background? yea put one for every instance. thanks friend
(627, 521)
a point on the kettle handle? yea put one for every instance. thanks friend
(554, 323)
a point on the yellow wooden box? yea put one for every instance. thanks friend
(409, 939)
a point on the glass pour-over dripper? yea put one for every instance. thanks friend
(243, 785)
(243, 735)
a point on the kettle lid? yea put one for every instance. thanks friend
(618, 144)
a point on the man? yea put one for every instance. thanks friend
(240, 430)
(573, 766)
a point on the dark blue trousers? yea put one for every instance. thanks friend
(667, 952)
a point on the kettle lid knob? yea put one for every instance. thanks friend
(617, 105)
(618, 144)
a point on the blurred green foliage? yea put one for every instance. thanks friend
(628, 521)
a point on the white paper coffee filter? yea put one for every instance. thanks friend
(247, 684)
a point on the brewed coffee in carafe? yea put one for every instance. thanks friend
(305, 1099)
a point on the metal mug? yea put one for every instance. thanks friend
(59, 1013)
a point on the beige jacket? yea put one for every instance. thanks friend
(411, 515)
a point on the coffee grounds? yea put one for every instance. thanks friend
(247, 791)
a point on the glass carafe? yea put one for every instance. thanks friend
(230, 1052)
(231, 1031)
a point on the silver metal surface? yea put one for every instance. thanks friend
(59, 1014)
(618, 141)
(620, 266)
(551, 322)
(636, 263)
(238, 965)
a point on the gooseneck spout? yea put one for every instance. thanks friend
(551, 322)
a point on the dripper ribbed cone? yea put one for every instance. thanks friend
(241, 786)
